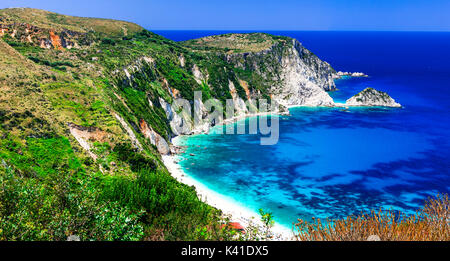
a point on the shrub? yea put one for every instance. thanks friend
(108, 41)
(430, 223)
(173, 210)
(137, 161)
(45, 194)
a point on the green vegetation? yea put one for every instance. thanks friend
(46, 194)
(50, 187)
(57, 22)
(173, 211)
(69, 165)
(235, 43)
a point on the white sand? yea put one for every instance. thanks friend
(229, 206)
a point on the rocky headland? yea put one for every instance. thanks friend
(104, 91)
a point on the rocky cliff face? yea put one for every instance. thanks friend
(285, 72)
(143, 73)
(304, 79)
(297, 77)
(372, 97)
(42, 37)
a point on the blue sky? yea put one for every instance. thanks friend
(378, 15)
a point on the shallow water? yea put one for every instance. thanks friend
(333, 163)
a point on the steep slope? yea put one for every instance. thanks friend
(20, 92)
(85, 112)
(46, 20)
(73, 156)
(288, 72)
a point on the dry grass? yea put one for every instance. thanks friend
(234, 43)
(57, 22)
(430, 223)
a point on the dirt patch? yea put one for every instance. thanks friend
(86, 135)
(56, 41)
(244, 85)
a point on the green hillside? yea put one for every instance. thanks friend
(57, 22)
(50, 186)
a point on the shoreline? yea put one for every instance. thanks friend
(228, 205)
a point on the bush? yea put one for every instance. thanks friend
(108, 41)
(45, 194)
(430, 223)
(173, 210)
(137, 161)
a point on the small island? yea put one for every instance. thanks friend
(372, 97)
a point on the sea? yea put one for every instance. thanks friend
(332, 162)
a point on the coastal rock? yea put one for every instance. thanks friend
(297, 76)
(372, 97)
(239, 104)
(340, 74)
(291, 74)
(180, 125)
(176, 150)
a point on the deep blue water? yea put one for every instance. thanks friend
(333, 163)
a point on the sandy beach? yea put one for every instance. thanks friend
(228, 205)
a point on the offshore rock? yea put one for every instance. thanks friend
(372, 97)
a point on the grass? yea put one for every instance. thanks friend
(47, 194)
(49, 186)
(430, 223)
(58, 22)
(234, 43)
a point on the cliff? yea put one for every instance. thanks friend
(141, 73)
(136, 75)
(246, 67)
(288, 72)
(85, 110)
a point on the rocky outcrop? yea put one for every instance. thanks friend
(42, 37)
(56, 41)
(297, 76)
(178, 124)
(155, 139)
(182, 60)
(292, 75)
(130, 132)
(198, 75)
(239, 105)
(340, 74)
(139, 69)
(372, 97)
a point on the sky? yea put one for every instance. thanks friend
(344, 15)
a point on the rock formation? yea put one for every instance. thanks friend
(372, 97)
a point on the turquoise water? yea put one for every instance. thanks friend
(333, 163)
